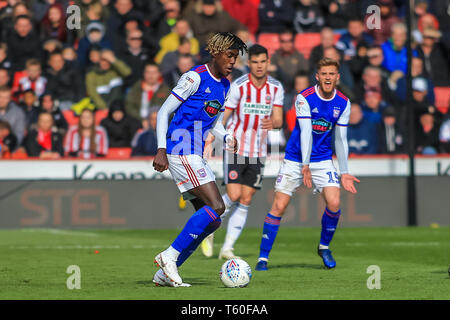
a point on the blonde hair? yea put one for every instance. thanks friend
(222, 41)
(325, 62)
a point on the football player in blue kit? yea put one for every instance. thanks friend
(320, 110)
(197, 101)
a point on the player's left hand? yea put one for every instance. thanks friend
(307, 177)
(347, 181)
(231, 144)
(266, 123)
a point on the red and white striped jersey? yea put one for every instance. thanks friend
(250, 105)
(74, 145)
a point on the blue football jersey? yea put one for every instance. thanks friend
(325, 114)
(203, 97)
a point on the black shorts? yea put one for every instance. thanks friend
(243, 170)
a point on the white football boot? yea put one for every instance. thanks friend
(207, 245)
(169, 266)
(160, 280)
(227, 254)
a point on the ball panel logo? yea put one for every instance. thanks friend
(212, 107)
(321, 126)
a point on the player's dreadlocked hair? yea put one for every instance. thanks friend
(222, 41)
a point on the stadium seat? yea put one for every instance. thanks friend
(270, 41)
(119, 153)
(442, 98)
(100, 115)
(19, 154)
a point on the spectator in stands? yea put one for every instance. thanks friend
(275, 15)
(372, 78)
(91, 11)
(355, 35)
(86, 140)
(48, 104)
(172, 41)
(23, 43)
(8, 141)
(119, 126)
(44, 141)
(388, 19)
(361, 134)
(286, 62)
(134, 56)
(375, 58)
(29, 104)
(308, 17)
(420, 103)
(373, 105)
(95, 36)
(30, 79)
(169, 62)
(435, 60)
(70, 55)
(244, 11)
(390, 133)
(145, 142)
(326, 41)
(301, 83)
(18, 8)
(53, 26)
(163, 23)
(64, 81)
(150, 92)
(444, 136)
(417, 71)
(11, 112)
(4, 77)
(5, 62)
(208, 19)
(427, 133)
(395, 51)
(339, 12)
(184, 64)
(104, 83)
(120, 12)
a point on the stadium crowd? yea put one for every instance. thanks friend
(86, 81)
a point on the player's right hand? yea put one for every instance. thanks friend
(231, 145)
(161, 163)
(307, 177)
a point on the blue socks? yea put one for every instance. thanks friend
(202, 223)
(330, 221)
(270, 230)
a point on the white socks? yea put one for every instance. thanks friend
(228, 204)
(172, 253)
(235, 226)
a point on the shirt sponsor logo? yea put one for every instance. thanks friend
(212, 107)
(257, 108)
(321, 126)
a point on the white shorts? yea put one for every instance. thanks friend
(189, 172)
(290, 176)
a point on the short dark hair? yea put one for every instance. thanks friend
(22, 16)
(256, 50)
(5, 125)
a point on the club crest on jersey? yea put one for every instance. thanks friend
(336, 111)
(212, 107)
(321, 126)
(201, 173)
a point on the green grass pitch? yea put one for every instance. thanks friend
(413, 262)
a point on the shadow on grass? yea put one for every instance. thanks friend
(192, 281)
(296, 265)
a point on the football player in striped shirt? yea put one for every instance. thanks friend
(254, 106)
(197, 101)
(320, 109)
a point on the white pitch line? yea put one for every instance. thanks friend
(62, 232)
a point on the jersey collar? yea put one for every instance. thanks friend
(206, 65)
(316, 88)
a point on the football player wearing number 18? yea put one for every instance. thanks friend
(320, 109)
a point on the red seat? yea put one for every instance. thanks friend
(442, 98)
(19, 154)
(73, 119)
(119, 153)
(305, 42)
(269, 40)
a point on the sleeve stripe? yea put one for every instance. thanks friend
(229, 108)
(177, 96)
(278, 106)
(303, 117)
(342, 125)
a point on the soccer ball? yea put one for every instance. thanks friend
(235, 273)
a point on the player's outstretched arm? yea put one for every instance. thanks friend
(160, 163)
